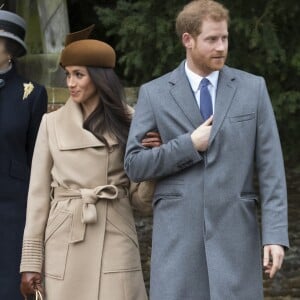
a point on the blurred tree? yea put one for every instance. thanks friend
(145, 36)
(263, 41)
(83, 13)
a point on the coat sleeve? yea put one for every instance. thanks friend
(142, 163)
(38, 108)
(271, 175)
(38, 203)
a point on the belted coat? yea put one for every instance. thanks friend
(80, 230)
(22, 105)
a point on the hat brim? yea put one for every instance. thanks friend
(11, 36)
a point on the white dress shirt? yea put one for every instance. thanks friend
(195, 79)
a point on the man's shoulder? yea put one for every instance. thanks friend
(158, 82)
(240, 74)
(166, 79)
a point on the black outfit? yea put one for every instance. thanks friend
(20, 116)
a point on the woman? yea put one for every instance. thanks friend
(87, 227)
(22, 104)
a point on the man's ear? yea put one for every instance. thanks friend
(187, 40)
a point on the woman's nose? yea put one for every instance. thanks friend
(70, 81)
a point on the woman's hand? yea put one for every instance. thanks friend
(30, 281)
(152, 139)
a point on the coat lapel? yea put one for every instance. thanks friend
(69, 129)
(225, 93)
(183, 95)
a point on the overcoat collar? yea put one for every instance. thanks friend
(182, 93)
(10, 74)
(224, 96)
(69, 129)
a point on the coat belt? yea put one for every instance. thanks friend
(85, 211)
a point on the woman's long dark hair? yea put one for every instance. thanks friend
(111, 115)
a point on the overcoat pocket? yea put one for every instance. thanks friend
(249, 198)
(242, 118)
(57, 243)
(121, 250)
(169, 190)
(123, 225)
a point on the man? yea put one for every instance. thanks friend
(206, 238)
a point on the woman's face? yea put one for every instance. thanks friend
(81, 87)
(4, 55)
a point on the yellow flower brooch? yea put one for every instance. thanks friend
(28, 88)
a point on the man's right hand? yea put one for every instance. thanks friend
(30, 281)
(200, 135)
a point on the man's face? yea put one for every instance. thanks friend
(207, 52)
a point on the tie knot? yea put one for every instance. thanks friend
(204, 82)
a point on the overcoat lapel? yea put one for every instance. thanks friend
(183, 95)
(69, 129)
(224, 96)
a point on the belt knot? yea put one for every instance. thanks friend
(85, 211)
(90, 198)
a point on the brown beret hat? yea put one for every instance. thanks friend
(81, 51)
(92, 53)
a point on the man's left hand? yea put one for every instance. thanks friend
(273, 258)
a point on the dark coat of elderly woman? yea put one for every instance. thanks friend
(22, 104)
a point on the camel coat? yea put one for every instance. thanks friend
(80, 230)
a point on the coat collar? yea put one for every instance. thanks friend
(224, 96)
(183, 95)
(69, 129)
(10, 74)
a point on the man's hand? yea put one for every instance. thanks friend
(152, 139)
(273, 258)
(200, 135)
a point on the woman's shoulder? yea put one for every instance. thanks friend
(53, 114)
(50, 117)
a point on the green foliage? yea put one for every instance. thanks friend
(144, 33)
(263, 40)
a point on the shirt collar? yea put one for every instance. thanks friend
(195, 79)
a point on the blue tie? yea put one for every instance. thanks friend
(205, 99)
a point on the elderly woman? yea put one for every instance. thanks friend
(22, 104)
(80, 236)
